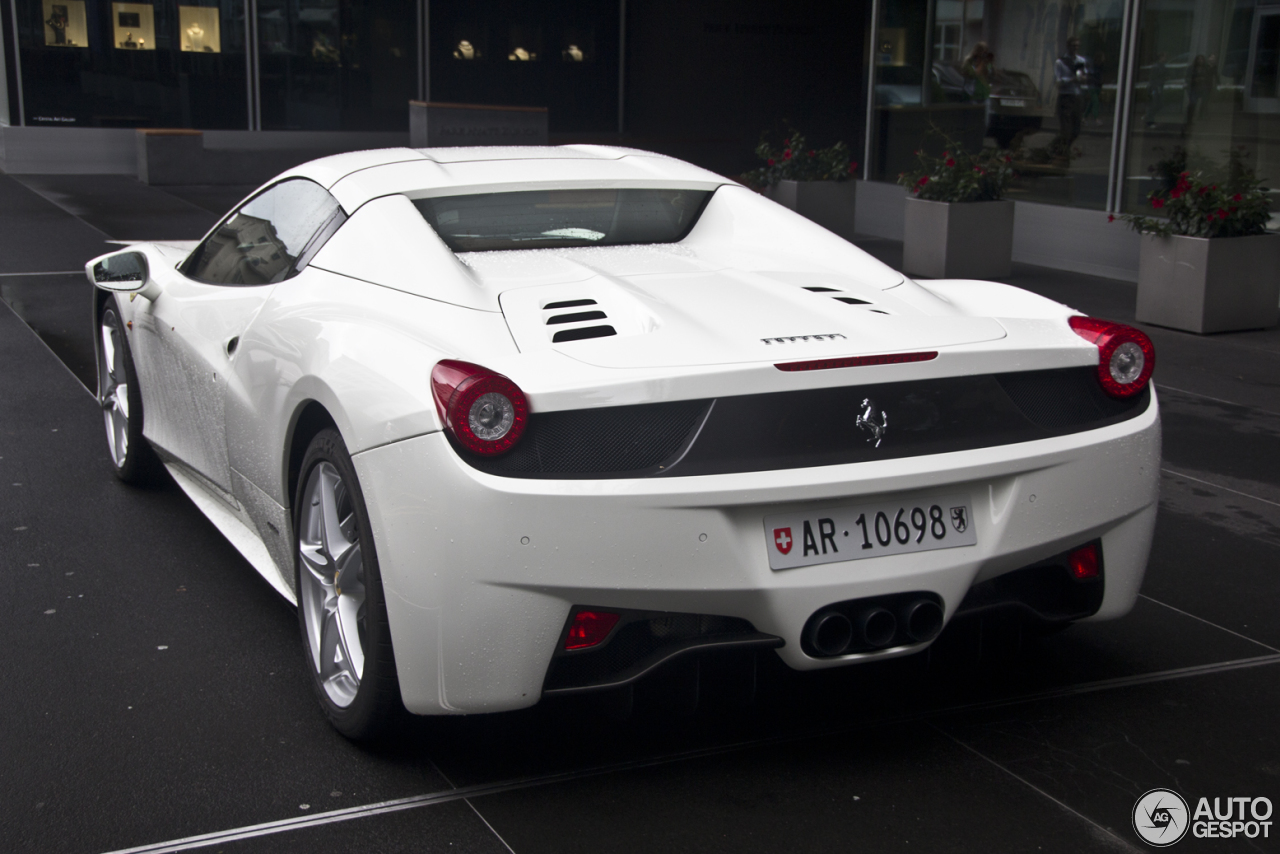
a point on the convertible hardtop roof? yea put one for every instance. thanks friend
(359, 176)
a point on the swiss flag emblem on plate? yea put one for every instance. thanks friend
(782, 539)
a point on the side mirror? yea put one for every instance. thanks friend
(123, 272)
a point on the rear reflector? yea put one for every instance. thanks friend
(1083, 562)
(589, 628)
(856, 361)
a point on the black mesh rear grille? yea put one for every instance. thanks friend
(813, 427)
(1061, 399)
(613, 440)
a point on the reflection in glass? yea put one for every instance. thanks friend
(1204, 95)
(572, 53)
(465, 50)
(134, 26)
(64, 24)
(199, 30)
(999, 73)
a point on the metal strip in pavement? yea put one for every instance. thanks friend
(1173, 473)
(502, 787)
(54, 273)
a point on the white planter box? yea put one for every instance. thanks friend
(952, 240)
(1201, 284)
(828, 203)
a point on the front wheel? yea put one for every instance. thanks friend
(341, 608)
(121, 400)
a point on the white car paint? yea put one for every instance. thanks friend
(474, 612)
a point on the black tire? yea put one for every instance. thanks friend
(361, 711)
(132, 457)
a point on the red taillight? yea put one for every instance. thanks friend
(589, 628)
(484, 411)
(1126, 357)
(1083, 562)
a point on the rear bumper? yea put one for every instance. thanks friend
(481, 571)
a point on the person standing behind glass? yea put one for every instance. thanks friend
(977, 72)
(1069, 72)
(1200, 80)
(1093, 108)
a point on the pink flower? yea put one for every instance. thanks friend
(771, 161)
(853, 167)
(946, 154)
(1157, 203)
(1236, 198)
(813, 153)
(1222, 214)
(786, 155)
(1111, 217)
(951, 161)
(1176, 194)
(786, 143)
(924, 179)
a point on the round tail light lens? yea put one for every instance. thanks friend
(484, 411)
(1126, 357)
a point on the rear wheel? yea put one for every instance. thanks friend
(121, 400)
(341, 609)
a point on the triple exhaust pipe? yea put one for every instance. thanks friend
(866, 625)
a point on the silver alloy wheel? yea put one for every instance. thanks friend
(331, 584)
(113, 389)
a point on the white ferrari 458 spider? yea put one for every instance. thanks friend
(514, 422)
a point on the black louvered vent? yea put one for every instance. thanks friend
(818, 290)
(852, 300)
(569, 303)
(582, 333)
(577, 333)
(576, 317)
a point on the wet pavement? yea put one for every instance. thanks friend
(155, 698)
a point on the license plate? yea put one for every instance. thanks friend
(869, 530)
(1008, 102)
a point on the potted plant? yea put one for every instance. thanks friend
(813, 182)
(957, 223)
(1207, 263)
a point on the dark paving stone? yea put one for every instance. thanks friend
(1207, 570)
(108, 738)
(448, 828)
(901, 788)
(60, 310)
(1240, 442)
(39, 237)
(122, 207)
(1212, 736)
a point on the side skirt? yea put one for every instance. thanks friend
(238, 531)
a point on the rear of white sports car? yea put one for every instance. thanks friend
(701, 444)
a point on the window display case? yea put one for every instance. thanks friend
(199, 29)
(134, 26)
(64, 24)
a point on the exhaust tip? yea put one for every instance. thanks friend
(831, 633)
(922, 619)
(877, 627)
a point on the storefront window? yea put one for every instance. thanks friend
(1033, 77)
(530, 54)
(337, 64)
(1206, 94)
(100, 64)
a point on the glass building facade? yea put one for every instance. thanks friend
(1097, 101)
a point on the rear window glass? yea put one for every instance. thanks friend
(539, 219)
